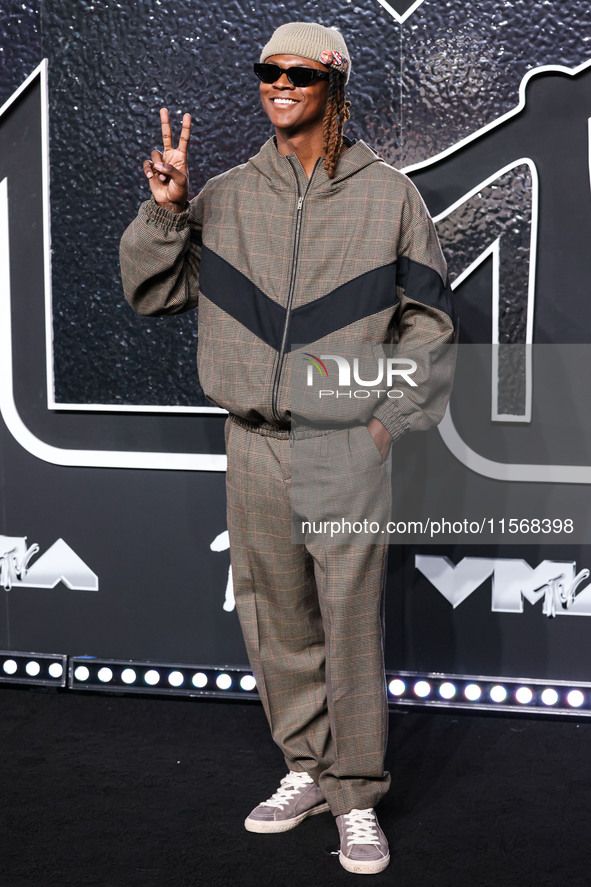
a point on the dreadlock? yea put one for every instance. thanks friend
(336, 113)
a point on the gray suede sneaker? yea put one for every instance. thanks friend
(364, 848)
(297, 797)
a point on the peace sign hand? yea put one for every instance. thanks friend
(167, 170)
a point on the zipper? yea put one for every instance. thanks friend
(294, 262)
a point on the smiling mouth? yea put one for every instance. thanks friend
(283, 101)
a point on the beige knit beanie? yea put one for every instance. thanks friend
(311, 41)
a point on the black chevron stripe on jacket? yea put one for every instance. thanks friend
(279, 263)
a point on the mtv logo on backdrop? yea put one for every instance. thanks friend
(513, 580)
(400, 9)
(59, 564)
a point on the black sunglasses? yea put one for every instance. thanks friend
(297, 76)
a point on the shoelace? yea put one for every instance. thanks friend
(361, 827)
(289, 786)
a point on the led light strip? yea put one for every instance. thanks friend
(488, 693)
(433, 690)
(46, 669)
(132, 676)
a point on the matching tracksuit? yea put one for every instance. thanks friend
(282, 267)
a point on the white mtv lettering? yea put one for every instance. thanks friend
(222, 543)
(14, 559)
(556, 582)
(59, 564)
(455, 583)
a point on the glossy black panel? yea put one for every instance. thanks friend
(416, 89)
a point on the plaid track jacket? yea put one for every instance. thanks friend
(275, 260)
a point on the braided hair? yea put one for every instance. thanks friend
(336, 113)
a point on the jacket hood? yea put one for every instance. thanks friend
(279, 169)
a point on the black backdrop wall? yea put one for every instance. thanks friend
(107, 441)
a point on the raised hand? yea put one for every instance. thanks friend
(167, 169)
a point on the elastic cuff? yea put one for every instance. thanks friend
(165, 218)
(392, 419)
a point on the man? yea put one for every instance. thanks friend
(315, 239)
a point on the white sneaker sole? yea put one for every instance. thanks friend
(364, 867)
(263, 827)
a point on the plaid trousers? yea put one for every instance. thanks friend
(311, 612)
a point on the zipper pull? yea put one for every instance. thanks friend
(300, 201)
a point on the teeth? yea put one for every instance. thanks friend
(285, 101)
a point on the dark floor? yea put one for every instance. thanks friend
(108, 791)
